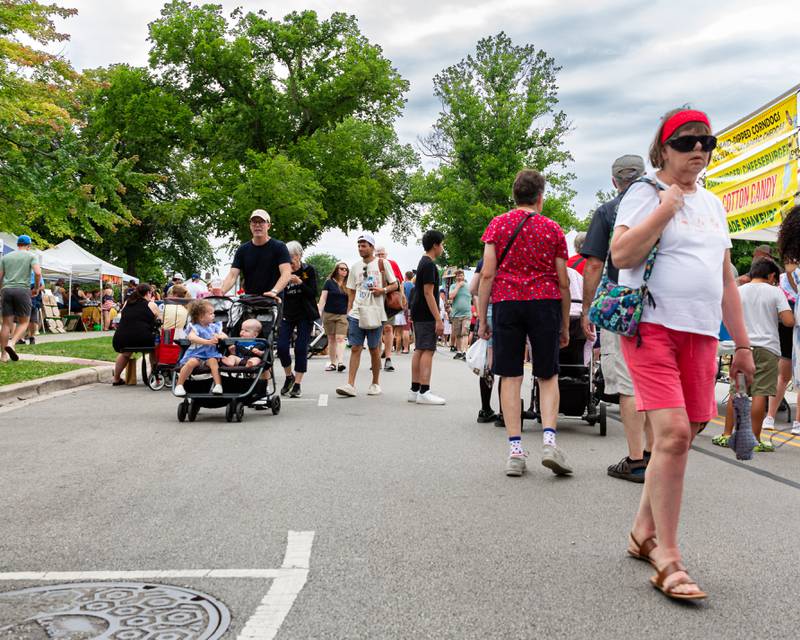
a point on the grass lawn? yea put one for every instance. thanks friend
(91, 349)
(11, 372)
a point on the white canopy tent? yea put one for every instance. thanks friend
(51, 266)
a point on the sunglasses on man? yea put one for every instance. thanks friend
(685, 144)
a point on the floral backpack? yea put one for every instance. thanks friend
(617, 308)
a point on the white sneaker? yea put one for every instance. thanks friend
(346, 390)
(768, 424)
(412, 396)
(430, 398)
(796, 428)
(374, 390)
(179, 390)
(217, 389)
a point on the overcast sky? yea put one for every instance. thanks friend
(624, 62)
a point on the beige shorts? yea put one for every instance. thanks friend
(615, 370)
(460, 326)
(335, 324)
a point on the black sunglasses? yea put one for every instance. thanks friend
(685, 144)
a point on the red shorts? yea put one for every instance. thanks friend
(673, 369)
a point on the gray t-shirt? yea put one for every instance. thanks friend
(17, 267)
(762, 303)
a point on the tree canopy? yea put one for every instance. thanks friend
(499, 115)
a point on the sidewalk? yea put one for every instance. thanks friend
(43, 338)
(82, 361)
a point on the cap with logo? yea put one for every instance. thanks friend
(177, 276)
(366, 236)
(260, 213)
(23, 240)
(627, 168)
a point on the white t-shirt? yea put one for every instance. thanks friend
(196, 288)
(686, 281)
(762, 303)
(362, 278)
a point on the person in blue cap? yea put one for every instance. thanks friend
(196, 287)
(15, 275)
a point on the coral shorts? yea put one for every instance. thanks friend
(673, 369)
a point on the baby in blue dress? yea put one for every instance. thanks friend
(204, 335)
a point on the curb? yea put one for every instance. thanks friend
(11, 393)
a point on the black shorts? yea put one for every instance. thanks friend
(786, 335)
(17, 302)
(514, 322)
(425, 336)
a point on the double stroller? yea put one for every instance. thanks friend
(242, 386)
(579, 397)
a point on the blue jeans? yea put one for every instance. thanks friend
(301, 341)
(356, 335)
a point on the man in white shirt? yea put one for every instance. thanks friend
(196, 287)
(764, 304)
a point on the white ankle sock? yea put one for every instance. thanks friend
(549, 436)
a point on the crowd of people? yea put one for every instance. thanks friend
(663, 229)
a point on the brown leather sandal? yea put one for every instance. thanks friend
(643, 551)
(660, 578)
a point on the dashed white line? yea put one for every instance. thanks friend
(323, 400)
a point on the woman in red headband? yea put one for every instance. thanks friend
(673, 359)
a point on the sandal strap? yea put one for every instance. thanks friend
(646, 547)
(668, 570)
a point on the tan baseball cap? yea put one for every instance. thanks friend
(627, 168)
(260, 213)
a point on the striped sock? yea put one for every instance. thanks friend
(515, 446)
(549, 436)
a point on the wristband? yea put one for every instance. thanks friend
(273, 291)
(748, 348)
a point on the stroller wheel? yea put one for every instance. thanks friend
(194, 409)
(183, 410)
(275, 404)
(603, 418)
(156, 381)
(230, 409)
(239, 416)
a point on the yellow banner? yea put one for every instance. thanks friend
(773, 156)
(764, 189)
(769, 216)
(780, 118)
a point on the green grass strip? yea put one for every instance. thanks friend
(24, 370)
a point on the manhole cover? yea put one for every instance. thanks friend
(112, 611)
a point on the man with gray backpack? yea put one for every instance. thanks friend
(624, 172)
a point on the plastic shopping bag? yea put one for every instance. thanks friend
(477, 355)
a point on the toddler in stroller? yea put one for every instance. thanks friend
(204, 335)
(246, 353)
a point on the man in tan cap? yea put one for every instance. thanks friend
(263, 261)
(625, 170)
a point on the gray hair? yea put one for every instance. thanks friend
(295, 248)
(579, 240)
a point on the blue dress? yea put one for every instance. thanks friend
(202, 351)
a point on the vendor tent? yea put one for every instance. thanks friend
(52, 267)
(85, 266)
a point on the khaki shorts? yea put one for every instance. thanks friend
(615, 370)
(335, 324)
(765, 379)
(460, 326)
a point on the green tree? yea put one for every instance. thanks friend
(498, 116)
(323, 263)
(294, 115)
(144, 120)
(54, 181)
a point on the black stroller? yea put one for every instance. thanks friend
(242, 386)
(576, 381)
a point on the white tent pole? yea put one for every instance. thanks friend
(69, 294)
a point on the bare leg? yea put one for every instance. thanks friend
(784, 376)
(22, 328)
(5, 333)
(214, 366)
(119, 365)
(510, 404)
(333, 349)
(660, 505)
(406, 340)
(415, 362)
(633, 423)
(355, 360)
(339, 341)
(375, 356)
(757, 411)
(548, 400)
(186, 370)
(425, 366)
(388, 333)
(298, 376)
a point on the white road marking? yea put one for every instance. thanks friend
(287, 582)
(323, 400)
(270, 614)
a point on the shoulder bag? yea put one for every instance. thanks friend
(392, 301)
(616, 308)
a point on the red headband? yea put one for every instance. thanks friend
(680, 119)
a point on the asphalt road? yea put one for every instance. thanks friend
(418, 534)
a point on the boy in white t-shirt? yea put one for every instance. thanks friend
(764, 305)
